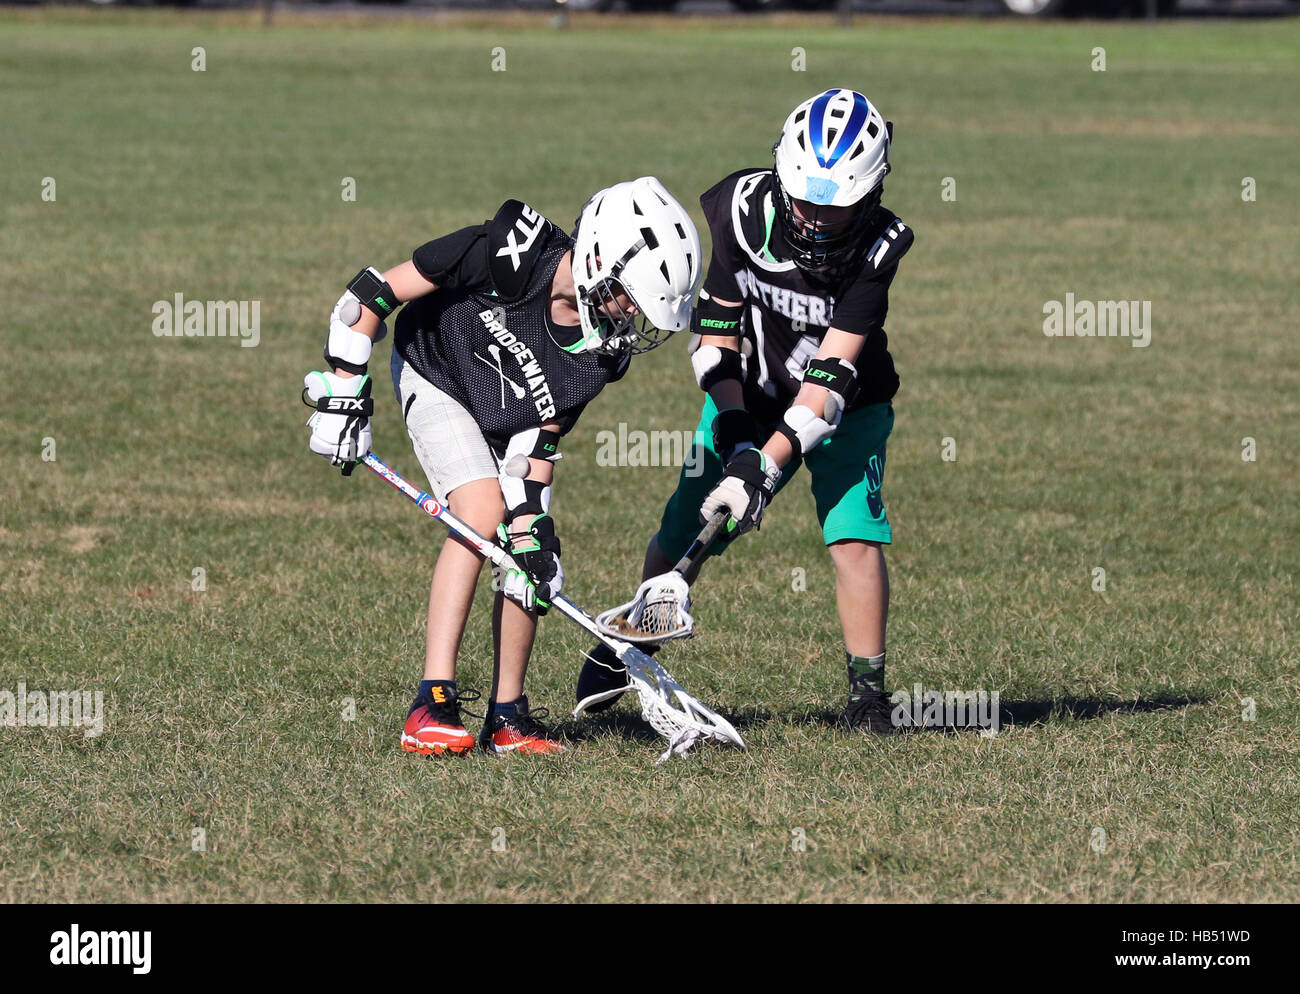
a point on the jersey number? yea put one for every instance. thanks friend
(803, 353)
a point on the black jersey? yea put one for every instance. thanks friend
(786, 313)
(486, 337)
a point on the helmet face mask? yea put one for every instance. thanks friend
(824, 241)
(621, 326)
(636, 268)
(829, 166)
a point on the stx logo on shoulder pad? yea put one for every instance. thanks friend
(515, 249)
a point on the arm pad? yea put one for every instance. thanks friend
(804, 427)
(372, 290)
(712, 318)
(521, 494)
(347, 349)
(735, 430)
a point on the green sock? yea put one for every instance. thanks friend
(866, 673)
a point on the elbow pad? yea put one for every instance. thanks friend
(803, 426)
(712, 365)
(521, 494)
(839, 377)
(805, 429)
(347, 349)
(372, 291)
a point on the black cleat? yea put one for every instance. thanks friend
(601, 671)
(870, 712)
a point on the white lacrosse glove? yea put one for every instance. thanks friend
(537, 576)
(340, 428)
(744, 492)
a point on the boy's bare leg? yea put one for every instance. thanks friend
(513, 631)
(511, 726)
(861, 595)
(479, 504)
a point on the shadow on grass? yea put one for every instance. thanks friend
(1033, 711)
(627, 723)
(621, 721)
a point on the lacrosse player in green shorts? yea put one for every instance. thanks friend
(793, 357)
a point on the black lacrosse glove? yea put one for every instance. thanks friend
(732, 428)
(537, 576)
(744, 491)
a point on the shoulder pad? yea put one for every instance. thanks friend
(716, 201)
(739, 211)
(516, 237)
(892, 238)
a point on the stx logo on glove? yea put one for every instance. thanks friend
(364, 406)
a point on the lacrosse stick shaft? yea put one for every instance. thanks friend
(487, 549)
(701, 544)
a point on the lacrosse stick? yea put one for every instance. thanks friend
(660, 611)
(665, 705)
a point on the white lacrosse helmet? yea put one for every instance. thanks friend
(634, 238)
(833, 152)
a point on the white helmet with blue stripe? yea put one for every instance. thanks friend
(831, 160)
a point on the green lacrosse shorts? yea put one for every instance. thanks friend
(848, 470)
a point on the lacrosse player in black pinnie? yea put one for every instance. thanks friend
(512, 327)
(793, 357)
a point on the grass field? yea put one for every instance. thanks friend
(225, 707)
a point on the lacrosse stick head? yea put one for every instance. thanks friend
(659, 612)
(665, 705)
